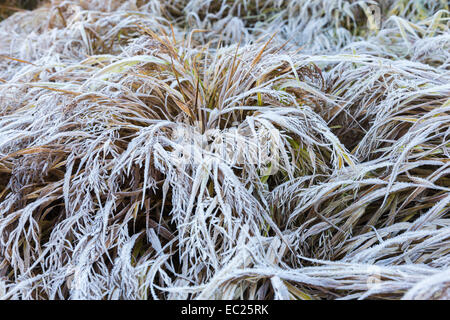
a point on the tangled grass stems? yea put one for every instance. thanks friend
(224, 150)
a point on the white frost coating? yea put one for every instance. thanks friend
(170, 150)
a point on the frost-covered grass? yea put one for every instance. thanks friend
(225, 150)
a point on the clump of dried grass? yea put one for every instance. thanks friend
(142, 157)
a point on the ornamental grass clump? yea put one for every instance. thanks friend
(225, 150)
